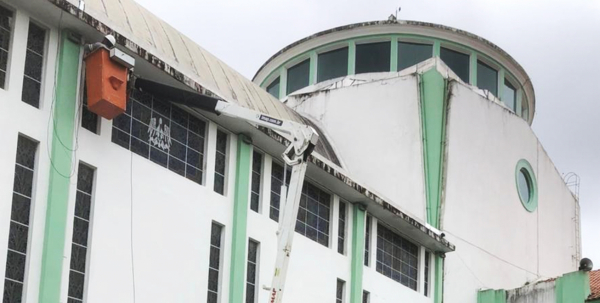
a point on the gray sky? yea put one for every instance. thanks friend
(557, 42)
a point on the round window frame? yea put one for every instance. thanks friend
(530, 205)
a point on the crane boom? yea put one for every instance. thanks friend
(303, 140)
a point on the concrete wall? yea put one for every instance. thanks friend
(17, 117)
(499, 243)
(375, 127)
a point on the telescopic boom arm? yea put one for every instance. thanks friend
(303, 140)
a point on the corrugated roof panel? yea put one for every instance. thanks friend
(137, 22)
(182, 54)
(161, 42)
(202, 67)
(96, 6)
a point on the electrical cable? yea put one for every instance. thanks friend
(131, 221)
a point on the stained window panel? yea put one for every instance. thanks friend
(252, 271)
(315, 225)
(214, 262)
(410, 54)
(332, 64)
(6, 17)
(277, 180)
(164, 133)
(89, 120)
(367, 240)
(426, 278)
(298, 76)
(457, 62)
(34, 62)
(18, 233)
(366, 297)
(256, 181)
(339, 291)
(397, 258)
(342, 228)
(487, 78)
(372, 57)
(220, 162)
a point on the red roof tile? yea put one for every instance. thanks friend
(594, 284)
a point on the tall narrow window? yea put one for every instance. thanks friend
(273, 88)
(373, 57)
(89, 120)
(6, 18)
(509, 95)
(487, 78)
(163, 133)
(256, 174)
(332, 64)
(81, 225)
(397, 258)
(34, 62)
(297, 76)
(457, 62)
(277, 180)
(342, 228)
(214, 266)
(19, 220)
(252, 271)
(339, 291)
(313, 214)
(410, 54)
(366, 297)
(367, 239)
(220, 162)
(426, 283)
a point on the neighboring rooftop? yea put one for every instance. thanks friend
(594, 285)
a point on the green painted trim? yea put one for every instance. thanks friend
(312, 73)
(351, 57)
(61, 156)
(473, 69)
(500, 84)
(436, 48)
(573, 287)
(357, 254)
(530, 205)
(491, 296)
(394, 54)
(237, 277)
(433, 118)
(282, 83)
(438, 287)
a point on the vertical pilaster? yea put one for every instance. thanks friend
(394, 55)
(61, 156)
(282, 83)
(357, 253)
(351, 57)
(436, 48)
(312, 76)
(240, 220)
(473, 69)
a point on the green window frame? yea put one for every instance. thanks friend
(524, 176)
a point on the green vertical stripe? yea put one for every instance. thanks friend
(438, 286)
(59, 178)
(357, 254)
(351, 57)
(473, 69)
(312, 74)
(394, 55)
(491, 296)
(240, 220)
(433, 111)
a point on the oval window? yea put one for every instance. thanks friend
(526, 185)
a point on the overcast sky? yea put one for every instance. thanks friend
(557, 42)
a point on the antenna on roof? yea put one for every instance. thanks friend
(394, 16)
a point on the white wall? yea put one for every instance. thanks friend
(375, 127)
(499, 244)
(17, 117)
